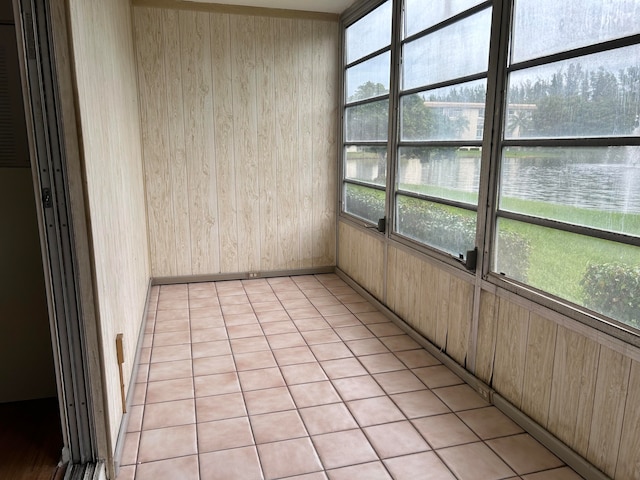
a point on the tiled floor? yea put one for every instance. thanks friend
(302, 378)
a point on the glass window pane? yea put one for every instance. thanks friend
(418, 18)
(450, 229)
(366, 164)
(368, 122)
(445, 172)
(438, 56)
(601, 275)
(593, 95)
(363, 202)
(544, 27)
(368, 79)
(592, 187)
(449, 113)
(369, 34)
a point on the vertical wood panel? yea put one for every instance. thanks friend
(245, 120)
(538, 370)
(609, 403)
(628, 464)
(460, 312)
(392, 278)
(443, 287)
(225, 134)
(199, 138)
(265, 79)
(428, 311)
(177, 168)
(511, 342)
(573, 389)
(487, 333)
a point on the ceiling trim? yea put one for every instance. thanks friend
(236, 9)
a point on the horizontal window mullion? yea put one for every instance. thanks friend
(573, 142)
(368, 57)
(360, 183)
(366, 101)
(447, 22)
(442, 201)
(447, 83)
(576, 52)
(571, 228)
(441, 143)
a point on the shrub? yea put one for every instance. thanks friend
(513, 255)
(613, 289)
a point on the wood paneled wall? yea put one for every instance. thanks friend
(239, 137)
(109, 123)
(579, 384)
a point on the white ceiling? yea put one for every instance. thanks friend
(329, 6)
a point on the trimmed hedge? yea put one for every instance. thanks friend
(613, 289)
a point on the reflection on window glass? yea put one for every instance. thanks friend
(363, 202)
(593, 95)
(446, 228)
(444, 172)
(438, 57)
(368, 122)
(418, 18)
(368, 79)
(366, 164)
(595, 273)
(369, 34)
(592, 187)
(450, 113)
(569, 24)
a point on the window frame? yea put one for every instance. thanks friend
(492, 144)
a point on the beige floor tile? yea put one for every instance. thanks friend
(275, 328)
(224, 434)
(356, 388)
(316, 337)
(127, 473)
(184, 468)
(361, 307)
(169, 414)
(260, 379)
(367, 346)
(268, 400)
(213, 365)
(331, 351)
(395, 439)
(172, 326)
(209, 334)
(313, 394)
(302, 313)
(369, 471)
(374, 411)
(240, 309)
(134, 423)
(309, 476)
(357, 332)
(329, 310)
(203, 302)
(385, 329)
(329, 418)
(444, 430)
(219, 384)
(341, 449)
(421, 403)
(130, 449)
(369, 318)
(524, 454)
(169, 390)
(473, 461)
(171, 338)
(274, 427)
(239, 319)
(489, 423)
(211, 349)
(399, 381)
(564, 473)
(417, 358)
(317, 292)
(236, 299)
(220, 407)
(324, 300)
(206, 312)
(342, 368)
(399, 343)
(293, 356)
(254, 360)
(139, 394)
(460, 397)
(165, 443)
(315, 323)
(244, 331)
(272, 316)
(171, 353)
(344, 320)
(303, 373)
(422, 466)
(437, 376)
(235, 464)
(251, 344)
(207, 322)
(382, 362)
(285, 340)
(170, 370)
(266, 305)
(350, 298)
(288, 458)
